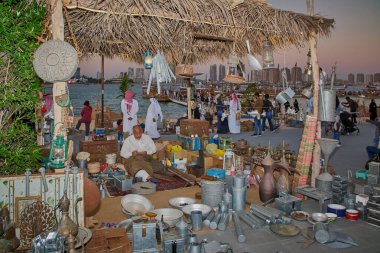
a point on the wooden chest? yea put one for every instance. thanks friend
(98, 149)
(194, 126)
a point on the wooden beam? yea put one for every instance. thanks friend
(58, 34)
(315, 66)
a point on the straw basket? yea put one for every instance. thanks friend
(93, 168)
(234, 79)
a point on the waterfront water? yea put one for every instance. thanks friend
(92, 92)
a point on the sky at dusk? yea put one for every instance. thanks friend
(354, 42)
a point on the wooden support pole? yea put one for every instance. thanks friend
(59, 87)
(102, 86)
(188, 88)
(315, 66)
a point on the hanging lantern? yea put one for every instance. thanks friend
(228, 161)
(58, 152)
(308, 69)
(268, 61)
(148, 60)
(235, 71)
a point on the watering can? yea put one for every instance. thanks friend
(327, 99)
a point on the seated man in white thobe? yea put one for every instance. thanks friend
(137, 150)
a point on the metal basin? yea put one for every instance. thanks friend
(181, 202)
(319, 217)
(136, 204)
(205, 209)
(169, 215)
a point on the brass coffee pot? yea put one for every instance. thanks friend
(67, 228)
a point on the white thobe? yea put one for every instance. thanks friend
(128, 124)
(233, 124)
(154, 111)
(145, 143)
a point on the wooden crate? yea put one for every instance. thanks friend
(98, 149)
(194, 126)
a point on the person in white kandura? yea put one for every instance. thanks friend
(154, 111)
(234, 117)
(129, 108)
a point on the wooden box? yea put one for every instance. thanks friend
(190, 127)
(98, 149)
(161, 147)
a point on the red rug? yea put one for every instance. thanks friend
(162, 185)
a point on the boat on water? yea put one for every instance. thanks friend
(178, 101)
(160, 97)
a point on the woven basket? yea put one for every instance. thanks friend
(234, 79)
(184, 69)
(93, 168)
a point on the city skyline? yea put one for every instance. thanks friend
(353, 43)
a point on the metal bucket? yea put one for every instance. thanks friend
(212, 192)
(239, 196)
(323, 182)
(82, 164)
(326, 106)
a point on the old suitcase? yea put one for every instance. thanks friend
(98, 149)
(194, 126)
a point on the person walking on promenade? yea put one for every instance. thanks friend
(337, 129)
(222, 121)
(296, 106)
(129, 108)
(258, 109)
(372, 110)
(350, 103)
(154, 111)
(85, 118)
(267, 113)
(234, 117)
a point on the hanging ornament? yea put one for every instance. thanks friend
(308, 68)
(252, 61)
(160, 71)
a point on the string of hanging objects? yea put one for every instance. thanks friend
(160, 71)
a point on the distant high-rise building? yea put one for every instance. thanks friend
(139, 74)
(296, 74)
(265, 75)
(255, 76)
(376, 78)
(222, 72)
(98, 75)
(131, 72)
(77, 73)
(369, 78)
(273, 75)
(213, 74)
(359, 78)
(351, 78)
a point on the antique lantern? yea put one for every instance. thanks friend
(58, 152)
(228, 161)
(235, 71)
(148, 60)
(268, 61)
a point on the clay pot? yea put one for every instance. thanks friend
(91, 197)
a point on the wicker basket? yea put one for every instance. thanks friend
(234, 79)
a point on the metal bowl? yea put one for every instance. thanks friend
(205, 209)
(136, 204)
(170, 215)
(181, 202)
(320, 217)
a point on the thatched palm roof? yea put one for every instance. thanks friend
(206, 28)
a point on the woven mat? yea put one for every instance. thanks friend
(162, 185)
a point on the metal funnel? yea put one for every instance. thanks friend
(327, 147)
